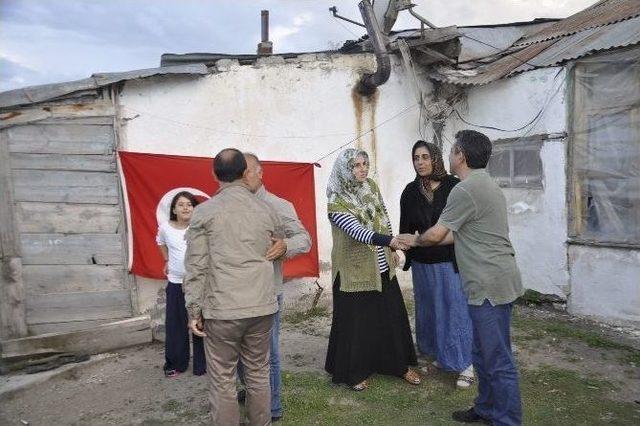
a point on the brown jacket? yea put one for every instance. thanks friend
(227, 274)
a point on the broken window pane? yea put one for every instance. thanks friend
(500, 164)
(516, 164)
(527, 166)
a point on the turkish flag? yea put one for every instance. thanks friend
(151, 181)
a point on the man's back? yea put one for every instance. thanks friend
(228, 238)
(477, 213)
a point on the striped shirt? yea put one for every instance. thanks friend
(353, 228)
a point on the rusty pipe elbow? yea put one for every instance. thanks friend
(369, 82)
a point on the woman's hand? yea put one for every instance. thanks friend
(395, 259)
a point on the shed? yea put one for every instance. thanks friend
(571, 183)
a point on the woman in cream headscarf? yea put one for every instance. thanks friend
(370, 330)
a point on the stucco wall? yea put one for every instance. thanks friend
(537, 217)
(296, 110)
(299, 110)
(605, 282)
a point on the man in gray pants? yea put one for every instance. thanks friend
(296, 241)
(229, 290)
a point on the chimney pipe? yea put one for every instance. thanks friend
(265, 25)
(265, 47)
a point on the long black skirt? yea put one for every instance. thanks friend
(370, 333)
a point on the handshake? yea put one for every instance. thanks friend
(404, 241)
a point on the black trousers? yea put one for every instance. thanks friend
(176, 345)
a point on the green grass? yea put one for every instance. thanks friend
(298, 317)
(551, 397)
(172, 406)
(536, 329)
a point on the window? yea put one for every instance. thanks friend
(515, 163)
(605, 150)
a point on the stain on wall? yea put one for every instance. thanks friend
(365, 108)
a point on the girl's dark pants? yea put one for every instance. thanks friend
(176, 345)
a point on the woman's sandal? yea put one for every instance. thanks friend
(171, 373)
(412, 377)
(464, 382)
(360, 386)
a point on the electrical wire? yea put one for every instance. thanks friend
(393, 117)
(532, 121)
(226, 132)
(522, 61)
(346, 28)
(403, 111)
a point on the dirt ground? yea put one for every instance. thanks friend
(129, 387)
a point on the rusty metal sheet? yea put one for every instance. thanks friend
(622, 34)
(493, 71)
(589, 39)
(602, 14)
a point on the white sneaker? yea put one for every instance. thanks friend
(436, 364)
(466, 378)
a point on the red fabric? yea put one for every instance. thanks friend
(149, 177)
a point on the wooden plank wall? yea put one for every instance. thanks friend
(69, 221)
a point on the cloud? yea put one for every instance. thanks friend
(57, 40)
(14, 75)
(279, 33)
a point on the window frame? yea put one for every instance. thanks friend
(577, 197)
(511, 145)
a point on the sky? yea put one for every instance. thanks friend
(50, 41)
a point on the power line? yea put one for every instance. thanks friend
(226, 132)
(403, 111)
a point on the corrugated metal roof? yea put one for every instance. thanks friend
(481, 42)
(575, 46)
(46, 92)
(603, 14)
(607, 25)
(493, 71)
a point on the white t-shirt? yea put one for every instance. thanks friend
(174, 240)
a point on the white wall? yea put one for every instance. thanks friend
(605, 282)
(298, 110)
(537, 217)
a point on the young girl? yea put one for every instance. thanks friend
(173, 246)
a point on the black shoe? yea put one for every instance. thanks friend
(469, 416)
(276, 419)
(242, 396)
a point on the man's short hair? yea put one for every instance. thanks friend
(229, 165)
(255, 158)
(475, 146)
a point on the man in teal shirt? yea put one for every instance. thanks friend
(475, 219)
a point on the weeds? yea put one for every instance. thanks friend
(302, 316)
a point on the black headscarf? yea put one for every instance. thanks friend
(438, 172)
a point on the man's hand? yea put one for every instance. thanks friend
(196, 327)
(406, 241)
(165, 268)
(395, 244)
(277, 250)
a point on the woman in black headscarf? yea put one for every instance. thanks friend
(443, 326)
